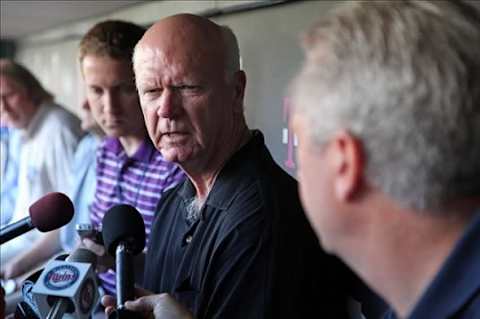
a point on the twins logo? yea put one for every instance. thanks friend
(61, 277)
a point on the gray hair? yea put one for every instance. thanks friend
(232, 51)
(193, 207)
(404, 77)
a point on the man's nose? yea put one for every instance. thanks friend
(169, 106)
(110, 103)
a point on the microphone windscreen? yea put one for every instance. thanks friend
(123, 223)
(52, 211)
(83, 255)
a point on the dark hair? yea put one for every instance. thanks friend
(112, 38)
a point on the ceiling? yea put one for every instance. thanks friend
(21, 18)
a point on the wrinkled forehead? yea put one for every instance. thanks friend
(180, 39)
(146, 57)
(177, 61)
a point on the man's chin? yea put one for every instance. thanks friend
(114, 132)
(169, 156)
(174, 155)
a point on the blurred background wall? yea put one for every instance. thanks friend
(268, 34)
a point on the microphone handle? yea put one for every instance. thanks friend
(15, 229)
(58, 310)
(124, 274)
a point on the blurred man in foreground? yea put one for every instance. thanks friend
(232, 241)
(388, 120)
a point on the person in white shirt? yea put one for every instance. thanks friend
(49, 136)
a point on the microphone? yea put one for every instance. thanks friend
(68, 286)
(27, 308)
(50, 212)
(124, 237)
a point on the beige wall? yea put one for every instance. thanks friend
(268, 41)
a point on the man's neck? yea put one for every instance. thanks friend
(33, 120)
(131, 144)
(204, 179)
(408, 257)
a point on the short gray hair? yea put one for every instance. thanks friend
(232, 51)
(404, 77)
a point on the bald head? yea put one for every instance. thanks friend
(182, 34)
(191, 91)
(183, 28)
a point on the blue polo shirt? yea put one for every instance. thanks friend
(455, 291)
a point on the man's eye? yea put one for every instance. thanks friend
(153, 91)
(96, 90)
(188, 88)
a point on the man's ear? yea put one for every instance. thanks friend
(346, 158)
(240, 81)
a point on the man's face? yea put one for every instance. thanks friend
(314, 181)
(87, 121)
(187, 104)
(112, 96)
(16, 107)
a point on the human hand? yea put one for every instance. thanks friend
(104, 261)
(148, 305)
(12, 269)
(161, 306)
(110, 302)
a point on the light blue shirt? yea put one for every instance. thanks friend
(10, 140)
(82, 190)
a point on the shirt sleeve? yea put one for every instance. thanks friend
(60, 158)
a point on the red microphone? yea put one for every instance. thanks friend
(50, 212)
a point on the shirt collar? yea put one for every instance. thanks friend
(36, 120)
(143, 154)
(236, 171)
(457, 280)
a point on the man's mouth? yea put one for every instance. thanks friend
(170, 134)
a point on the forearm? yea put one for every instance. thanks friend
(43, 248)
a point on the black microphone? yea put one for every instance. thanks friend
(124, 237)
(50, 212)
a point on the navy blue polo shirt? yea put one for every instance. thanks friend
(251, 254)
(455, 290)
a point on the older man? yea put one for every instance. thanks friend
(232, 241)
(388, 120)
(49, 136)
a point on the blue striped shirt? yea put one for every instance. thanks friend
(139, 180)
